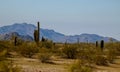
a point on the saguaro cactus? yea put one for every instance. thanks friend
(15, 41)
(78, 40)
(36, 35)
(96, 43)
(43, 39)
(102, 44)
(38, 31)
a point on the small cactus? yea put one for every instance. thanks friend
(78, 40)
(43, 39)
(15, 41)
(96, 43)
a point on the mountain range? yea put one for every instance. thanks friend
(25, 31)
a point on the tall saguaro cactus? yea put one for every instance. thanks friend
(36, 36)
(37, 33)
(38, 30)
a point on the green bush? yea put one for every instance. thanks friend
(28, 49)
(111, 55)
(87, 55)
(80, 67)
(70, 51)
(6, 66)
(101, 60)
(3, 55)
(47, 44)
(44, 57)
(112, 51)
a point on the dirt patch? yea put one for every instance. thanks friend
(60, 65)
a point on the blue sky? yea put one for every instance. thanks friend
(69, 17)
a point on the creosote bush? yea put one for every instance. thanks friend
(28, 49)
(44, 55)
(80, 66)
(47, 44)
(101, 60)
(6, 66)
(88, 53)
(87, 56)
(44, 58)
(3, 55)
(70, 51)
(111, 56)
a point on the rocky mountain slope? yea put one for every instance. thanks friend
(25, 31)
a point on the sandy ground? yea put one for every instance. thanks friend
(34, 65)
(60, 65)
(111, 68)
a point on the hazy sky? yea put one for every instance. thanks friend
(65, 16)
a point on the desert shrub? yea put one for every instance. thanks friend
(101, 60)
(3, 55)
(112, 51)
(6, 66)
(111, 55)
(57, 49)
(70, 51)
(117, 47)
(87, 55)
(28, 49)
(5, 45)
(44, 50)
(47, 44)
(2, 46)
(93, 55)
(44, 57)
(80, 66)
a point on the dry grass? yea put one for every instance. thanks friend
(86, 52)
(60, 65)
(111, 68)
(34, 65)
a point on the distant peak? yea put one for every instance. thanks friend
(89, 34)
(20, 24)
(23, 24)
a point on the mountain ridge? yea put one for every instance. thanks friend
(25, 29)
